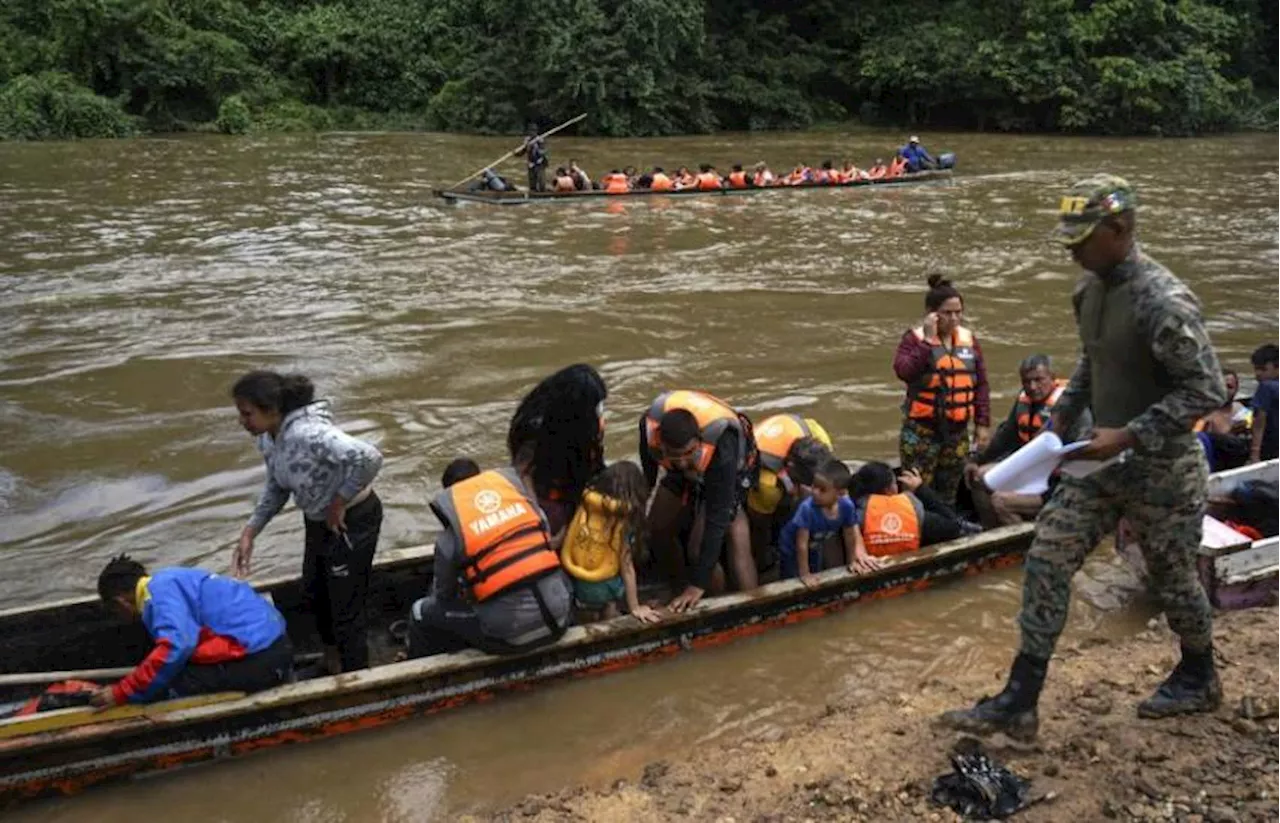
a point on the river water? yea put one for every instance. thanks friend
(142, 277)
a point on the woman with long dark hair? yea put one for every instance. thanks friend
(556, 437)
(947, 391)
(330, 476)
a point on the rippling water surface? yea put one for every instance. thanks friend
(142, 277)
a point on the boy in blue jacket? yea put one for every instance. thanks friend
(211, 633)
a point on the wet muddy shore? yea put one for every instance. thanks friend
(873, 756)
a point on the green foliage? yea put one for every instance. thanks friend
(52, 106)
(649, 67)
(234, 116)
(294, 115)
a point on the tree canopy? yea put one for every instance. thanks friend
(640, 67)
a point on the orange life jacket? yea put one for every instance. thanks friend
(661, 182)
(891, 525)
(616, 184)
(876, 172)
(764, 178)
(708, 180)
(835, 177)
(946, 391)
(897, 167)
(565, 184)
(1032, 417)
(713, 416)
(502, 534)
(775, 437)
(738, 180)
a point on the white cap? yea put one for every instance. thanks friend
(913, 139)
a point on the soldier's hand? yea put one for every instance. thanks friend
(1104, 445)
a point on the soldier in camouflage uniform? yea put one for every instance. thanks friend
(1147, 371)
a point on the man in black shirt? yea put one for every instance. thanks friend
(709, 455)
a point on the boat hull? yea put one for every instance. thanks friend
(1236, 573)
(523, 198)
(68, 760)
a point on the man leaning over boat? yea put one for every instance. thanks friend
(211, 634)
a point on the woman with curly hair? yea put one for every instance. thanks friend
(556, 438)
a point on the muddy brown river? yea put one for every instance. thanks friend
(142, 277)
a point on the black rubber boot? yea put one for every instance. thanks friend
(1012, 711)
(1193, 687)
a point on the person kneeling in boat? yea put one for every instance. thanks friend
(708, 453)
(607, 531)
(497, 583)
(211, 634)
(1027, 418)
(826, 513)
(791, 450)
(899, 513)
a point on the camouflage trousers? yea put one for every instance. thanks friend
(1163, 502)
(938, 457)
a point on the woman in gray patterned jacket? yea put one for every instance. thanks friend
(330, 475)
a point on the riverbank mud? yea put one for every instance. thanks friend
(874, 755)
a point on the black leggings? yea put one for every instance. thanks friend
(941, 523)
(335, 580)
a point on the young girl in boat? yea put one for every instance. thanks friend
(898, 513)
(330, 476)
(599, 547)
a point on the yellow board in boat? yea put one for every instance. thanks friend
(592, 545)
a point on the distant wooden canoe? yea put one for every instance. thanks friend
(521, 198)
(1236, 572)
(66, 751)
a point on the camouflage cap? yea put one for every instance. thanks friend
(1087, 202)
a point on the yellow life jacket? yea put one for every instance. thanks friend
(594, 542)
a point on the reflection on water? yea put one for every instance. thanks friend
(142, 277)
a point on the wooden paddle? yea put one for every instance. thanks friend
(511, 153)
(38, 678)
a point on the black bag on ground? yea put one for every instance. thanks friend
(980, 788)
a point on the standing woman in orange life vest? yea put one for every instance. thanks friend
(947, 391)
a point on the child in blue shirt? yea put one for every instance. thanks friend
(827, 512)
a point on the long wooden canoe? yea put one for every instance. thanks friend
(1236, 572)
(66, 751)
(521, 198)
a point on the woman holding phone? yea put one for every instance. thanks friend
(947, 391)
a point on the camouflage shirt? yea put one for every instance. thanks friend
(1146, 362)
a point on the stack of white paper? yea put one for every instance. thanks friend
(1027, 470)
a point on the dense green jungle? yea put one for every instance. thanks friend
(110, 68)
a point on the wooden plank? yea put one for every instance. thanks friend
(83, 715)
(1223, 483)
(1242, 565)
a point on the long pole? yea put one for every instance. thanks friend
(544, 135)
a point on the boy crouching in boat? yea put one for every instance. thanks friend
(607, 530)
(825, 513)
(211, 633)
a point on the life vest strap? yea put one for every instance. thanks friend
(475, 559)
(478, 576)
